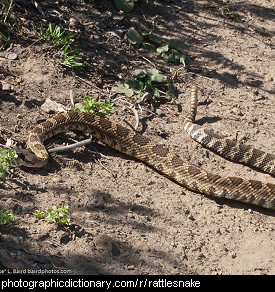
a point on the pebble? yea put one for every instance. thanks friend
(6, 86)
(50, 106)
(131, 267)
(73, 23)
(11, 56)
(190, 216)
(237, 111)
(56, 179)
(268, 78)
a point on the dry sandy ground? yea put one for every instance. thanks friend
(125, 217)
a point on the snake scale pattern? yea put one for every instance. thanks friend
(161, 159)
(229, 149)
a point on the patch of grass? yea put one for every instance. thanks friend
(6, 7)
(61, 40)
(9, 22)
(7, 161)
(55, 214)
(5, 10)
(6, 217)
(91, 105)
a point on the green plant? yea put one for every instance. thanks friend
(91, 105)
(134, 37)
(173, 55)
(55, 214)
(6, 217)
(7, 160)
(58, 37)
(167, 51)
(61, 40)
(70, 58)
(230, 12)
(150, 36)
(150, 81)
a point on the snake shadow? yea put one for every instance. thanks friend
(241, 205)
(207, 120)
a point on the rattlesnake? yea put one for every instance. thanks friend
(158, 157)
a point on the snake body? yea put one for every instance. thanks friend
(229, 149)
(155, 155)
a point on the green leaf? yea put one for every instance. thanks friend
(3, 37)
(136, 85)
(155, 39)
(173, 55)
(172, 91)
(168, 56)
(123, 88)
(150, 88)
(150, 81)
(156, 92)
(149, 36)
(124, 5)
(231, 13)
(163, 49)
(158, 111)
(134, 36)
(90, 105)
(71, 62)
(140, 74)
(3, 170)
(154, 75)
(7, 160)
(39, 213)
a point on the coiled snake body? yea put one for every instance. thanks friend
(157, 156)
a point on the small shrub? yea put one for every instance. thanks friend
(7, 160)
(93, 106)
(6, 217)
(150, 81)
(55, 214)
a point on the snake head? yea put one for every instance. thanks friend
(28, 159)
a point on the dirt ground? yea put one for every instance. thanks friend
(125, 217)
